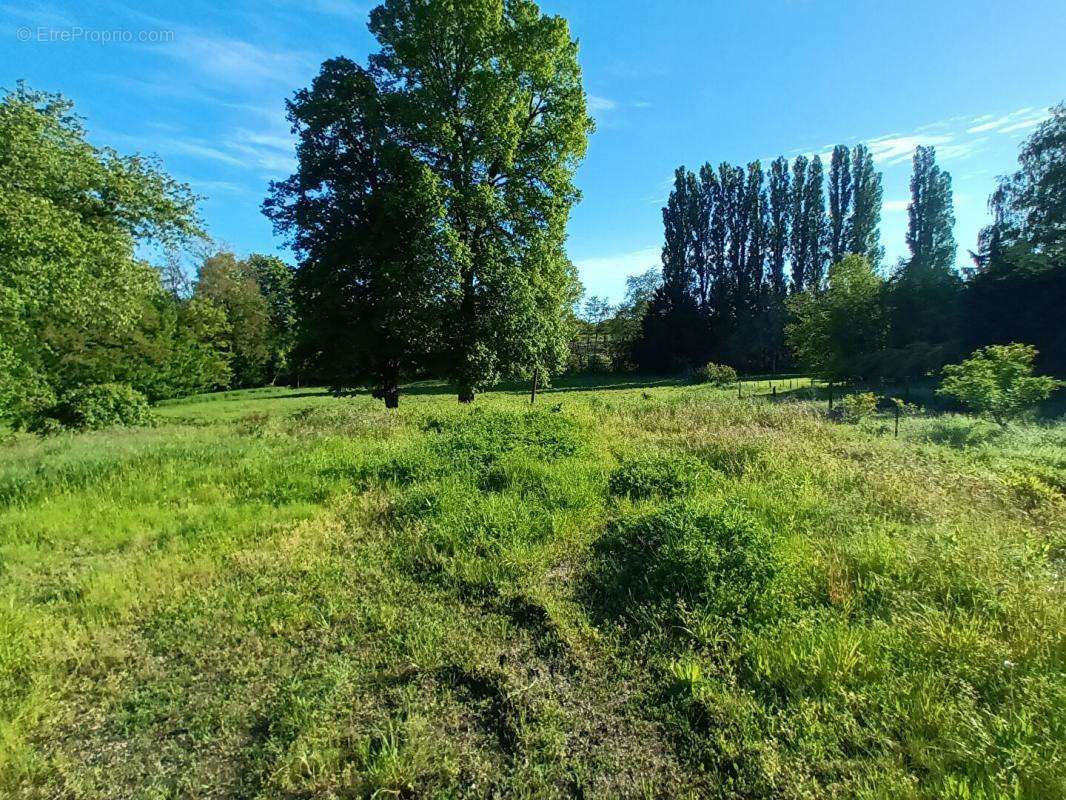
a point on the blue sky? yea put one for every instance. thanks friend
(202, 85)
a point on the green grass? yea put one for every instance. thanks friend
(631, 590)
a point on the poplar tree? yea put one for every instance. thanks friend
(755, 235)
(799, 255)
(862, 231)
(931, 216)
(925, 290)
(840, 201)
(679, 278)
(718, 293)
(779, 226)
(815, 225)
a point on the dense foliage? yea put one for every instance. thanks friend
(455, 153)
(71, 215)
(736, 247)
(93, 407)
(81, 310)
(1018, 291)
(998, 381)
(743, 269)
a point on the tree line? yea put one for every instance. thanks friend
(428, 215)
(783, 271)
(739, 241)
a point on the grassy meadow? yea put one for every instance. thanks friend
(630, 590)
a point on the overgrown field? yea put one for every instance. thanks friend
(627, 592)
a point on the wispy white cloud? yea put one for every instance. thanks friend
(211, 188)
(199, 149)
(954, 139)
(1024, 124)
(620, 265)
(1016, 120)
(234, 61)
(597, 104)
(269, 154)
(895, 206)
(894, 149)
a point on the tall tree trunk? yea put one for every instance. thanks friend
(467, 337)
(533, 390)
(390, 386)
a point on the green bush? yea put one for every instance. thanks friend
(598, 364)
(663, 476)
(715, 374)
(719, 561)
(998, 381)
(859, 406)
(101, 405)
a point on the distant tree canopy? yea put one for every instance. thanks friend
(743, 267)
(255, 300)
(464, 133)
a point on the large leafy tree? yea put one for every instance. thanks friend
(1019, 287)
(487, 96)
(1036, 193)
(838, 332)
(71, 216)
(367, 220)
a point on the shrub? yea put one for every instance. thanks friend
(715, 374)
(997, 381)
(719, 561)
(858, 406)
(664, 476)
(100, 405)
(598, 364)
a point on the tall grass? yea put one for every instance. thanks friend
(624, 591)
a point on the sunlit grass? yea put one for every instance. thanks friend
(632, 589)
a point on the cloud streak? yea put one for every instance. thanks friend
(620, 265)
